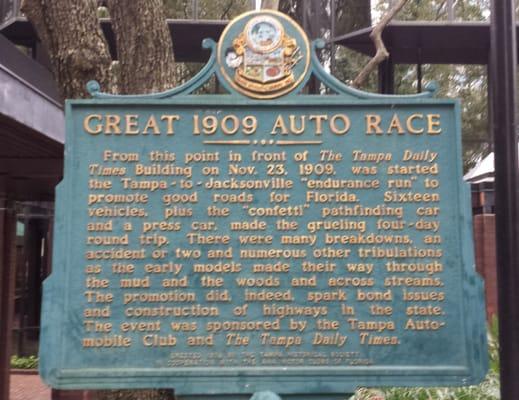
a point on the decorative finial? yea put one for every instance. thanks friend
(93, 87)
(432, 87)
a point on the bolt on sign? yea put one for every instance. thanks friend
(262, 238)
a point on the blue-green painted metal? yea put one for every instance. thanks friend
(265, 395)
(452, 355)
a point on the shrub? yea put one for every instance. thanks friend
(486, 390)
(30, 362)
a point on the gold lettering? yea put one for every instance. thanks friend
(279, 124)
(293, 128)
(235, 124)
(112, 124)
(345, 121)
(373, 124)
(151, 124)
(410, 126)
(433, 121)
(395, 124)
(169, 122)
(132, 124)
(98, 127)
(318, 122)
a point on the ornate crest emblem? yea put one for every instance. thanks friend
(262, 57)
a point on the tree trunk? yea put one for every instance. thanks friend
(270, 4)
(77, 48)
(352, 15)
(146, 65)
(144, 46)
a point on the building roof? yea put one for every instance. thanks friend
(188, 34)
(409, 42)
(483, 171)
(32, 128)
(427, 42)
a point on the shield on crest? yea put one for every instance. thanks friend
(264, 67)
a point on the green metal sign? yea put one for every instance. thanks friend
(263, 238)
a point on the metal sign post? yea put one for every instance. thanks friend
(503, 74)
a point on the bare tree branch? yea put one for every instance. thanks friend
(381, 52)
(226, 10)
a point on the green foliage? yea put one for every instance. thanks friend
(465, 82)
(469, 84)
(30, 362)
(436, 10)
(207, 9)
(489, 390)
(486, 390)
(348, 64)
(493, 345)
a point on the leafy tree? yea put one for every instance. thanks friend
(466, 82)
(207, 9)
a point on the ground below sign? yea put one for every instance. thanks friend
(262, 239)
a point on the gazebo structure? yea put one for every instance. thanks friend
(32, 136)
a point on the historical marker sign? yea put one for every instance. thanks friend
(262, 239)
